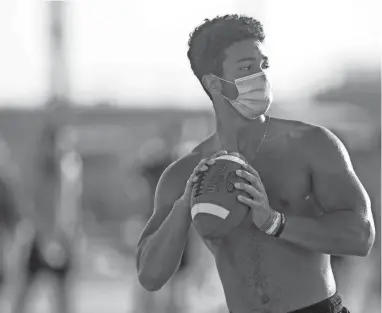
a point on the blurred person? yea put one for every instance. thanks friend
(15, 228)
(9, 217)
(52, 236)
(304, 188)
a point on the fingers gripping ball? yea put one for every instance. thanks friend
(215, 209)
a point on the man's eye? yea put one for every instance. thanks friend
(245, 68)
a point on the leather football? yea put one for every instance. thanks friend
(215, 209)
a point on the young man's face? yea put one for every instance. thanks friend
(243, 58)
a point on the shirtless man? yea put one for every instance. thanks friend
(294, 168)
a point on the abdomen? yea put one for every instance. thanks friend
(261, 273)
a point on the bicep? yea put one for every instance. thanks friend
(166, 193)
(339, 191)
(335, 183)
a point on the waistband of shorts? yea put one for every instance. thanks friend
(332, 304)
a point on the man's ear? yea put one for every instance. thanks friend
(211, 83)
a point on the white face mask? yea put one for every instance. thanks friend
(255, 95)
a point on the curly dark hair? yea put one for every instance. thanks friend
(208, 42)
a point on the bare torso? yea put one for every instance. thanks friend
(260, 273)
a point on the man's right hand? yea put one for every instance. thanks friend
(185, 199)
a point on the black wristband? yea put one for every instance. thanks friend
(281, 227)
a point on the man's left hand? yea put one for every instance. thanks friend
(258, 200)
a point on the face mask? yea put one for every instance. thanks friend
(254, 97)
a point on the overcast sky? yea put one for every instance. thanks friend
(135, 51)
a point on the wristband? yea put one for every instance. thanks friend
(271, 221)
(281, 227)
(275, 224)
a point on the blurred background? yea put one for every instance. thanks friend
(97, 98)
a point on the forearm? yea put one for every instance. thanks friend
(337, 233)
(159, 254)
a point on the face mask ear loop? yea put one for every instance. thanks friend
(223, 79)
(220, 79)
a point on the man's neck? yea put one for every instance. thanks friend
(234, 134)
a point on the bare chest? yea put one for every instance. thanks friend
(286, 177)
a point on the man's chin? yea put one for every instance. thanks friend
(250, 114)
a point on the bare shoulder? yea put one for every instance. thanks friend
(173, 180)
(326, 151)
(318, 144)
(171, 186)
(289, 129)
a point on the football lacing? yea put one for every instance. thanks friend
(199, 184)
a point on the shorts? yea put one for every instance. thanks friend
(330, 305)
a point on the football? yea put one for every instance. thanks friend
(215, 209)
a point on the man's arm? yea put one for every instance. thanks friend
(162, 242)
(346, 226)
